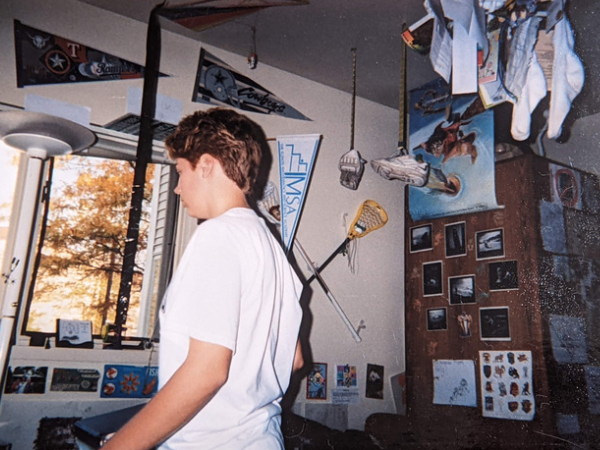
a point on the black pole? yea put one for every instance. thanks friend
(143, 157)
(338, 250)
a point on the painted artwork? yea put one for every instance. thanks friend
(507, 384)
(454, 382)
(455, 135)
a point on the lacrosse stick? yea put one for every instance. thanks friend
(270, 207)
(370, 217)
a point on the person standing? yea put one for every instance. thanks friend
(231, 315)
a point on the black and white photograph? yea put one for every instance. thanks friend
(433, 279)
(455, 239)
(462, 289)
(503, 276)
(420, 238)
(490, 243)
(437, 319)
(493, 323)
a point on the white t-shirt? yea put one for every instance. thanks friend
(234, 287)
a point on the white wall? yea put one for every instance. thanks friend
(375, 294)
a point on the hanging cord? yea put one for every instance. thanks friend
(402, 150)
(352, 117)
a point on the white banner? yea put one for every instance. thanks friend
(296, 156)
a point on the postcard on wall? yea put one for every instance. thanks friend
(346, 376)
(316, 382)
(433, 279)
(454, 383)
(437, 319)
(494, 324)
(374, 381)
(490, 244)
(461, 289)
(507, 384)
(503, 276)
(421, 238)
(456, 238)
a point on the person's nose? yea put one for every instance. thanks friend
(177, 189)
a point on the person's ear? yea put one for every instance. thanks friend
(206, 164)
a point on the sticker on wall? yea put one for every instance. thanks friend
(421, 238)
(437, 319)
(433, 279)
(494, 324)
(129, 381)
(464, 324)
(374, 381)
(75, 380)
(566, 186)
(454, 383)
(455, 136)
(43, 58)
(507, 384)
(219, 84)
(490, 244)
(316, 382)
(567, 334)
(26, 380)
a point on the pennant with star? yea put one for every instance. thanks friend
(43, 58)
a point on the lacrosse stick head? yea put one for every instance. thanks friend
(371, 216)
(270, 205)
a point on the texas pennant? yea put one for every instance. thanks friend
(296, 156)
(220, 84)
(42, 58)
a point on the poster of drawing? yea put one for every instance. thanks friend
(455, 135)
(454, 382)
(507, 384)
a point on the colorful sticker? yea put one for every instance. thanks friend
(129, 381)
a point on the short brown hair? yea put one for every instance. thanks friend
(233, 139)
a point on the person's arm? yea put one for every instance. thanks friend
(298, 358)
(191, 387)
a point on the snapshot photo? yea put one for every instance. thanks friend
(490, 244)
(462, 289)
(493, 323)
(420, 238)
(456, 239)
(503, 276)
(374, 384)
(437, 319)
(432, 279)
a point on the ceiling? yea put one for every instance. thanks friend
(315, 40)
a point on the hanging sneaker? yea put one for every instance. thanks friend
(402, 167)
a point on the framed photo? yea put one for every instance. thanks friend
(490, 243)
(316, 382)
(437, 319)
(462, 289)
(420, 238)
(456, 239)
(433, 279)
(503, 276)
(493, 323)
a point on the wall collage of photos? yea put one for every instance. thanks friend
(507, 376)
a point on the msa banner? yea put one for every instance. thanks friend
(220, 84)
(42, 58)
(296, 157)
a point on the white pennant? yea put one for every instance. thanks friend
(296, 156)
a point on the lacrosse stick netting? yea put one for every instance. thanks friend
(270, 207)
(370, 217)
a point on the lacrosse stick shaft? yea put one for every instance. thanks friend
(338, 250)
(325, 288)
